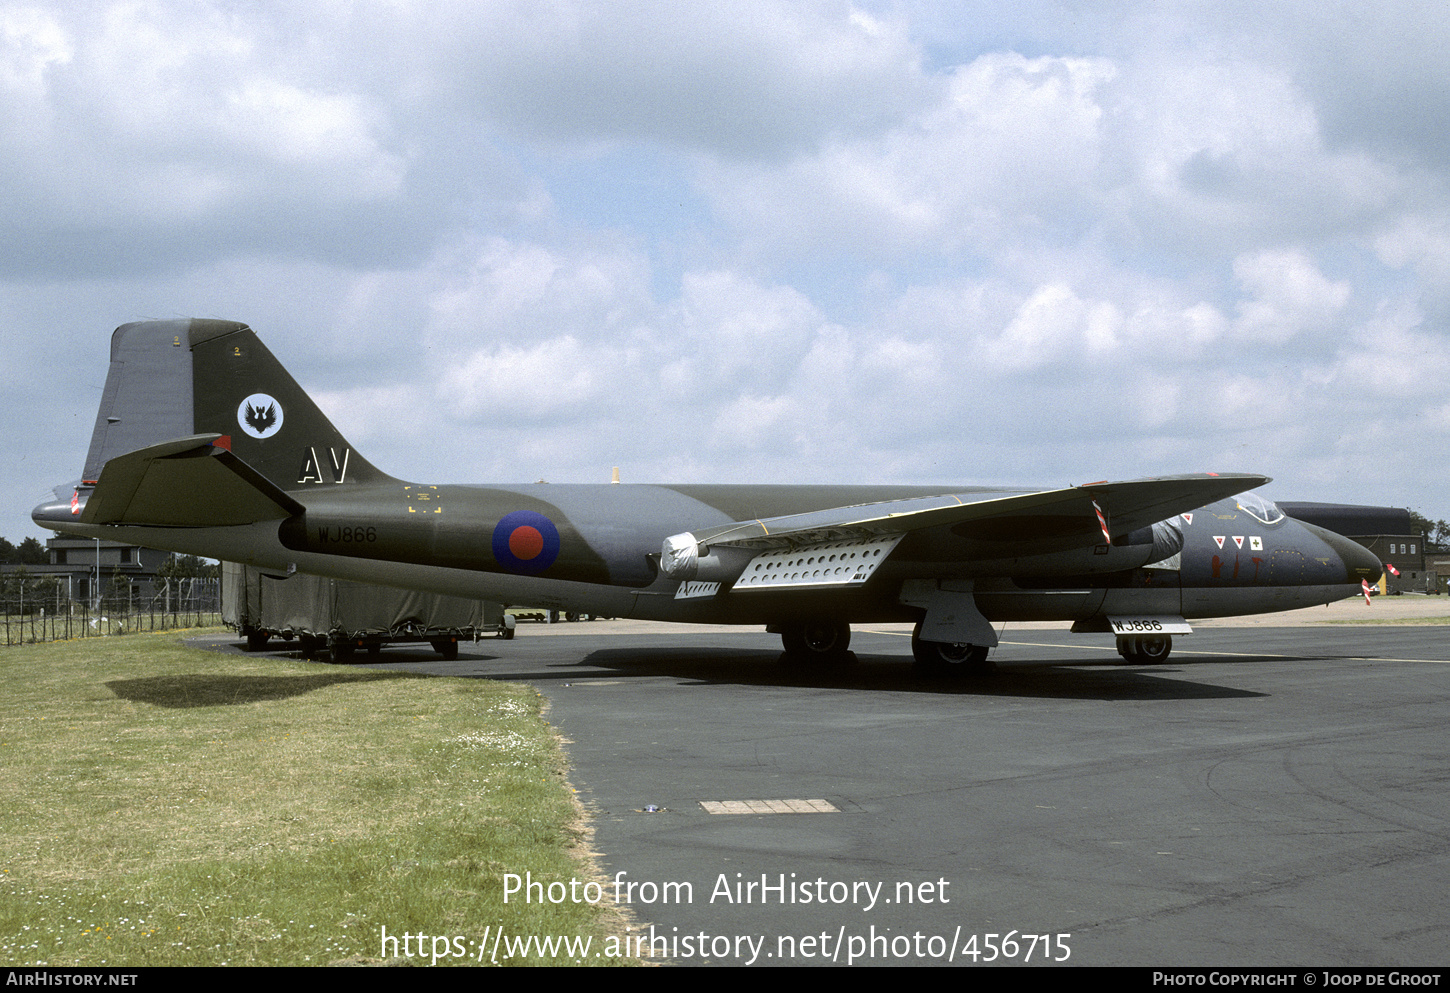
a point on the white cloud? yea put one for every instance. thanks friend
(1290, 297)
(159, 127)
(1420, 242)
(510, 289)
(292, 127)
(536, 383)
(739, 334)
(1007, 141)
(743, 77)
(1222, 149)
(1052, 325)
(32, 44)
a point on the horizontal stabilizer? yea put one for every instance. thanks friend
(1042, 521)
(188, 482)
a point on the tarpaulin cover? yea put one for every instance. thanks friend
(312, 605)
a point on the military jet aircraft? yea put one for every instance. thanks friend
(205, 445)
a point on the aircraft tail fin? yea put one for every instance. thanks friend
(179, 378)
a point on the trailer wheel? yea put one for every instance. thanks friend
(446, 647)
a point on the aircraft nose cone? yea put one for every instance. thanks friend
(1359, 562)
(1365, 564)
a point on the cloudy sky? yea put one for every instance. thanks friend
(1040, 243)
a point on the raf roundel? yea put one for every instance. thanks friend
(525, 541)
(259, 416)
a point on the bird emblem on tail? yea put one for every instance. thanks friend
(260, 415)
(259, 419)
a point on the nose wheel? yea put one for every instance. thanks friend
(1145, 649)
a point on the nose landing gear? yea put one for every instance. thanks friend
(1149, 649)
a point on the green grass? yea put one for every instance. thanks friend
(169, 806)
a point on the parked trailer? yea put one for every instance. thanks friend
(340, 617)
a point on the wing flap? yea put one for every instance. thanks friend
(189, 482)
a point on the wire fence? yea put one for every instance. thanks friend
(38, 614)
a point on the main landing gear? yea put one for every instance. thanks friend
(940, 658)
(1145, 649)
(825, 640)
(817, 640)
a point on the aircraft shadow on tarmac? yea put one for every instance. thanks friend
(1089, 679)
(876, 673)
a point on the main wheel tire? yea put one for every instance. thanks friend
(943, 658)
(309, 645)
(256, 640)
(446, 647)
(817, 640)
(342, 650)
(1151, 649)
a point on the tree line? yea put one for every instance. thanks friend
(1436, 533)
(28, 552)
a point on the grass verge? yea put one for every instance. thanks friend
(170, 806)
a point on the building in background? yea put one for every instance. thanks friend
(84, 567)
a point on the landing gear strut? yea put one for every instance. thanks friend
(1147, 649)
(941, 658)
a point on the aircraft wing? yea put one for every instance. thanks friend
(845, 545)
(189, 482)
(1042, 521)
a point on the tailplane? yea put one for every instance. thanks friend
(179, 378)
(185, 483)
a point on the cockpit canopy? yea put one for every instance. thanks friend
(1262, 510)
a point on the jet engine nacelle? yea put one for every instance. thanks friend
(1145, 546)
(682, 557)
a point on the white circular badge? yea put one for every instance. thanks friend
(260, 416)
